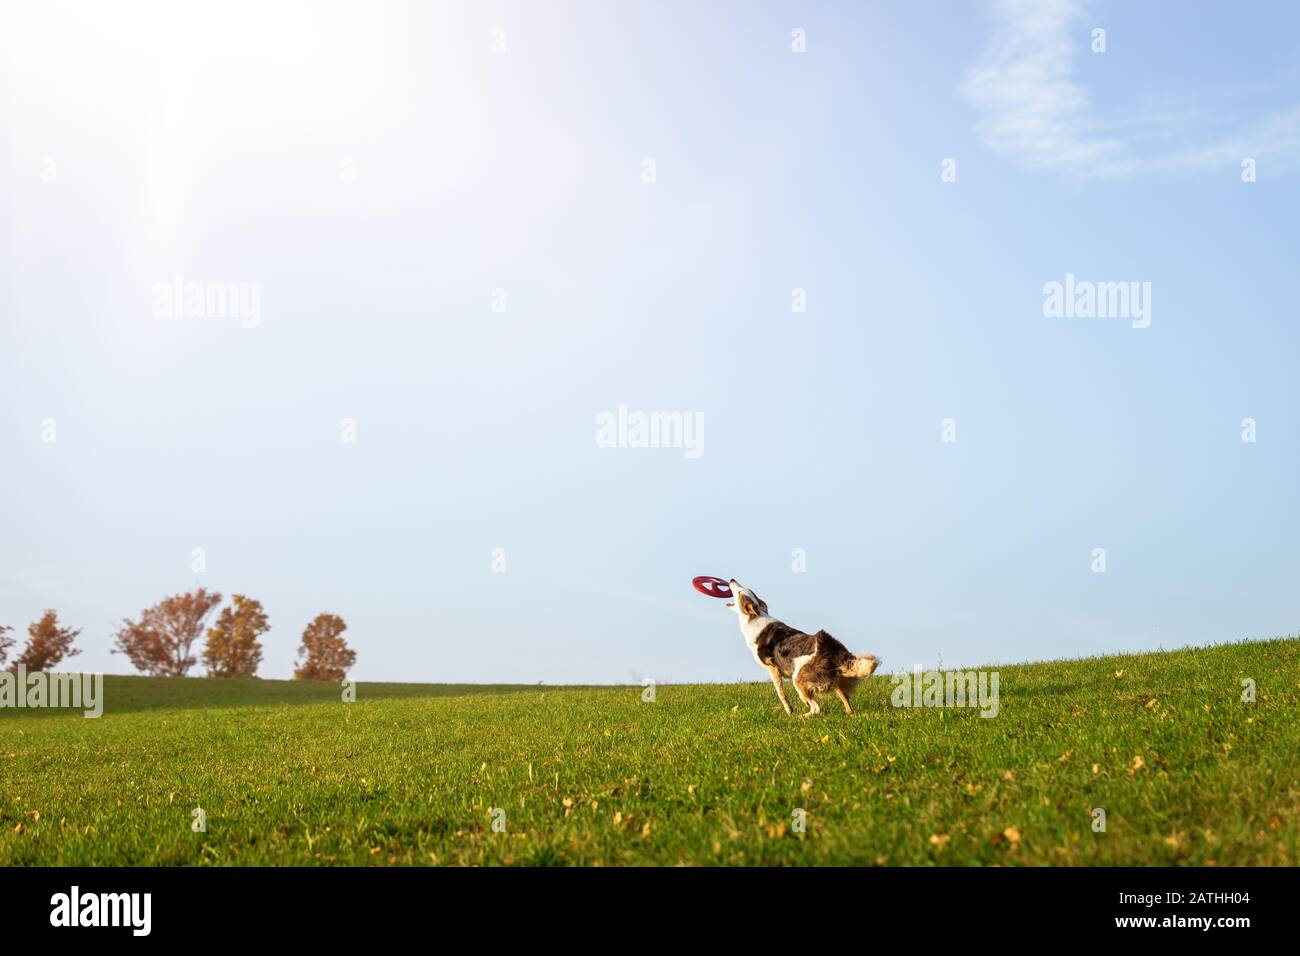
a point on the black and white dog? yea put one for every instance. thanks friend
(816, 663)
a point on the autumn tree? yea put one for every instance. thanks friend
(160, 642)
(323, 652)
(47, 644)
(233, 648)
(6, 642)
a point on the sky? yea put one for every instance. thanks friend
(424, 249)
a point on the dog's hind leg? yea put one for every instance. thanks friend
(806, 695)
(779, 684)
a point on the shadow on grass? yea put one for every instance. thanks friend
(124, 694)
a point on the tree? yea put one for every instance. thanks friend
(47, 643)
(159, 643)
(6, 642)
(233, 649)
(325, 655)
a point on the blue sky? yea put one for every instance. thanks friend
(388, 176)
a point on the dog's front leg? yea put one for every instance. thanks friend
(779, 684)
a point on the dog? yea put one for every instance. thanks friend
(815, 663)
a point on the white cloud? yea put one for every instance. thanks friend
(1024, 89)
(1031, 105)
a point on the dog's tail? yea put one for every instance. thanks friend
(861, 665)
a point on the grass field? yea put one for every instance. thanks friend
(286, 773)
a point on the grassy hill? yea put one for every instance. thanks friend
(287, 773)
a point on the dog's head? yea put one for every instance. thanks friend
(746, 603)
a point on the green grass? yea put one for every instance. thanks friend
(707, 774)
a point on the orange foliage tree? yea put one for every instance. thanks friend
(160, 642)
(233, 647)
(324, 653)
(47, 644)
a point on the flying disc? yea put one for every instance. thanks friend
(713, 587)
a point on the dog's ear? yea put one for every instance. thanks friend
(747, 607)
(760, 605)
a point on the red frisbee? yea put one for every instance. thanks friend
(713, 587)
